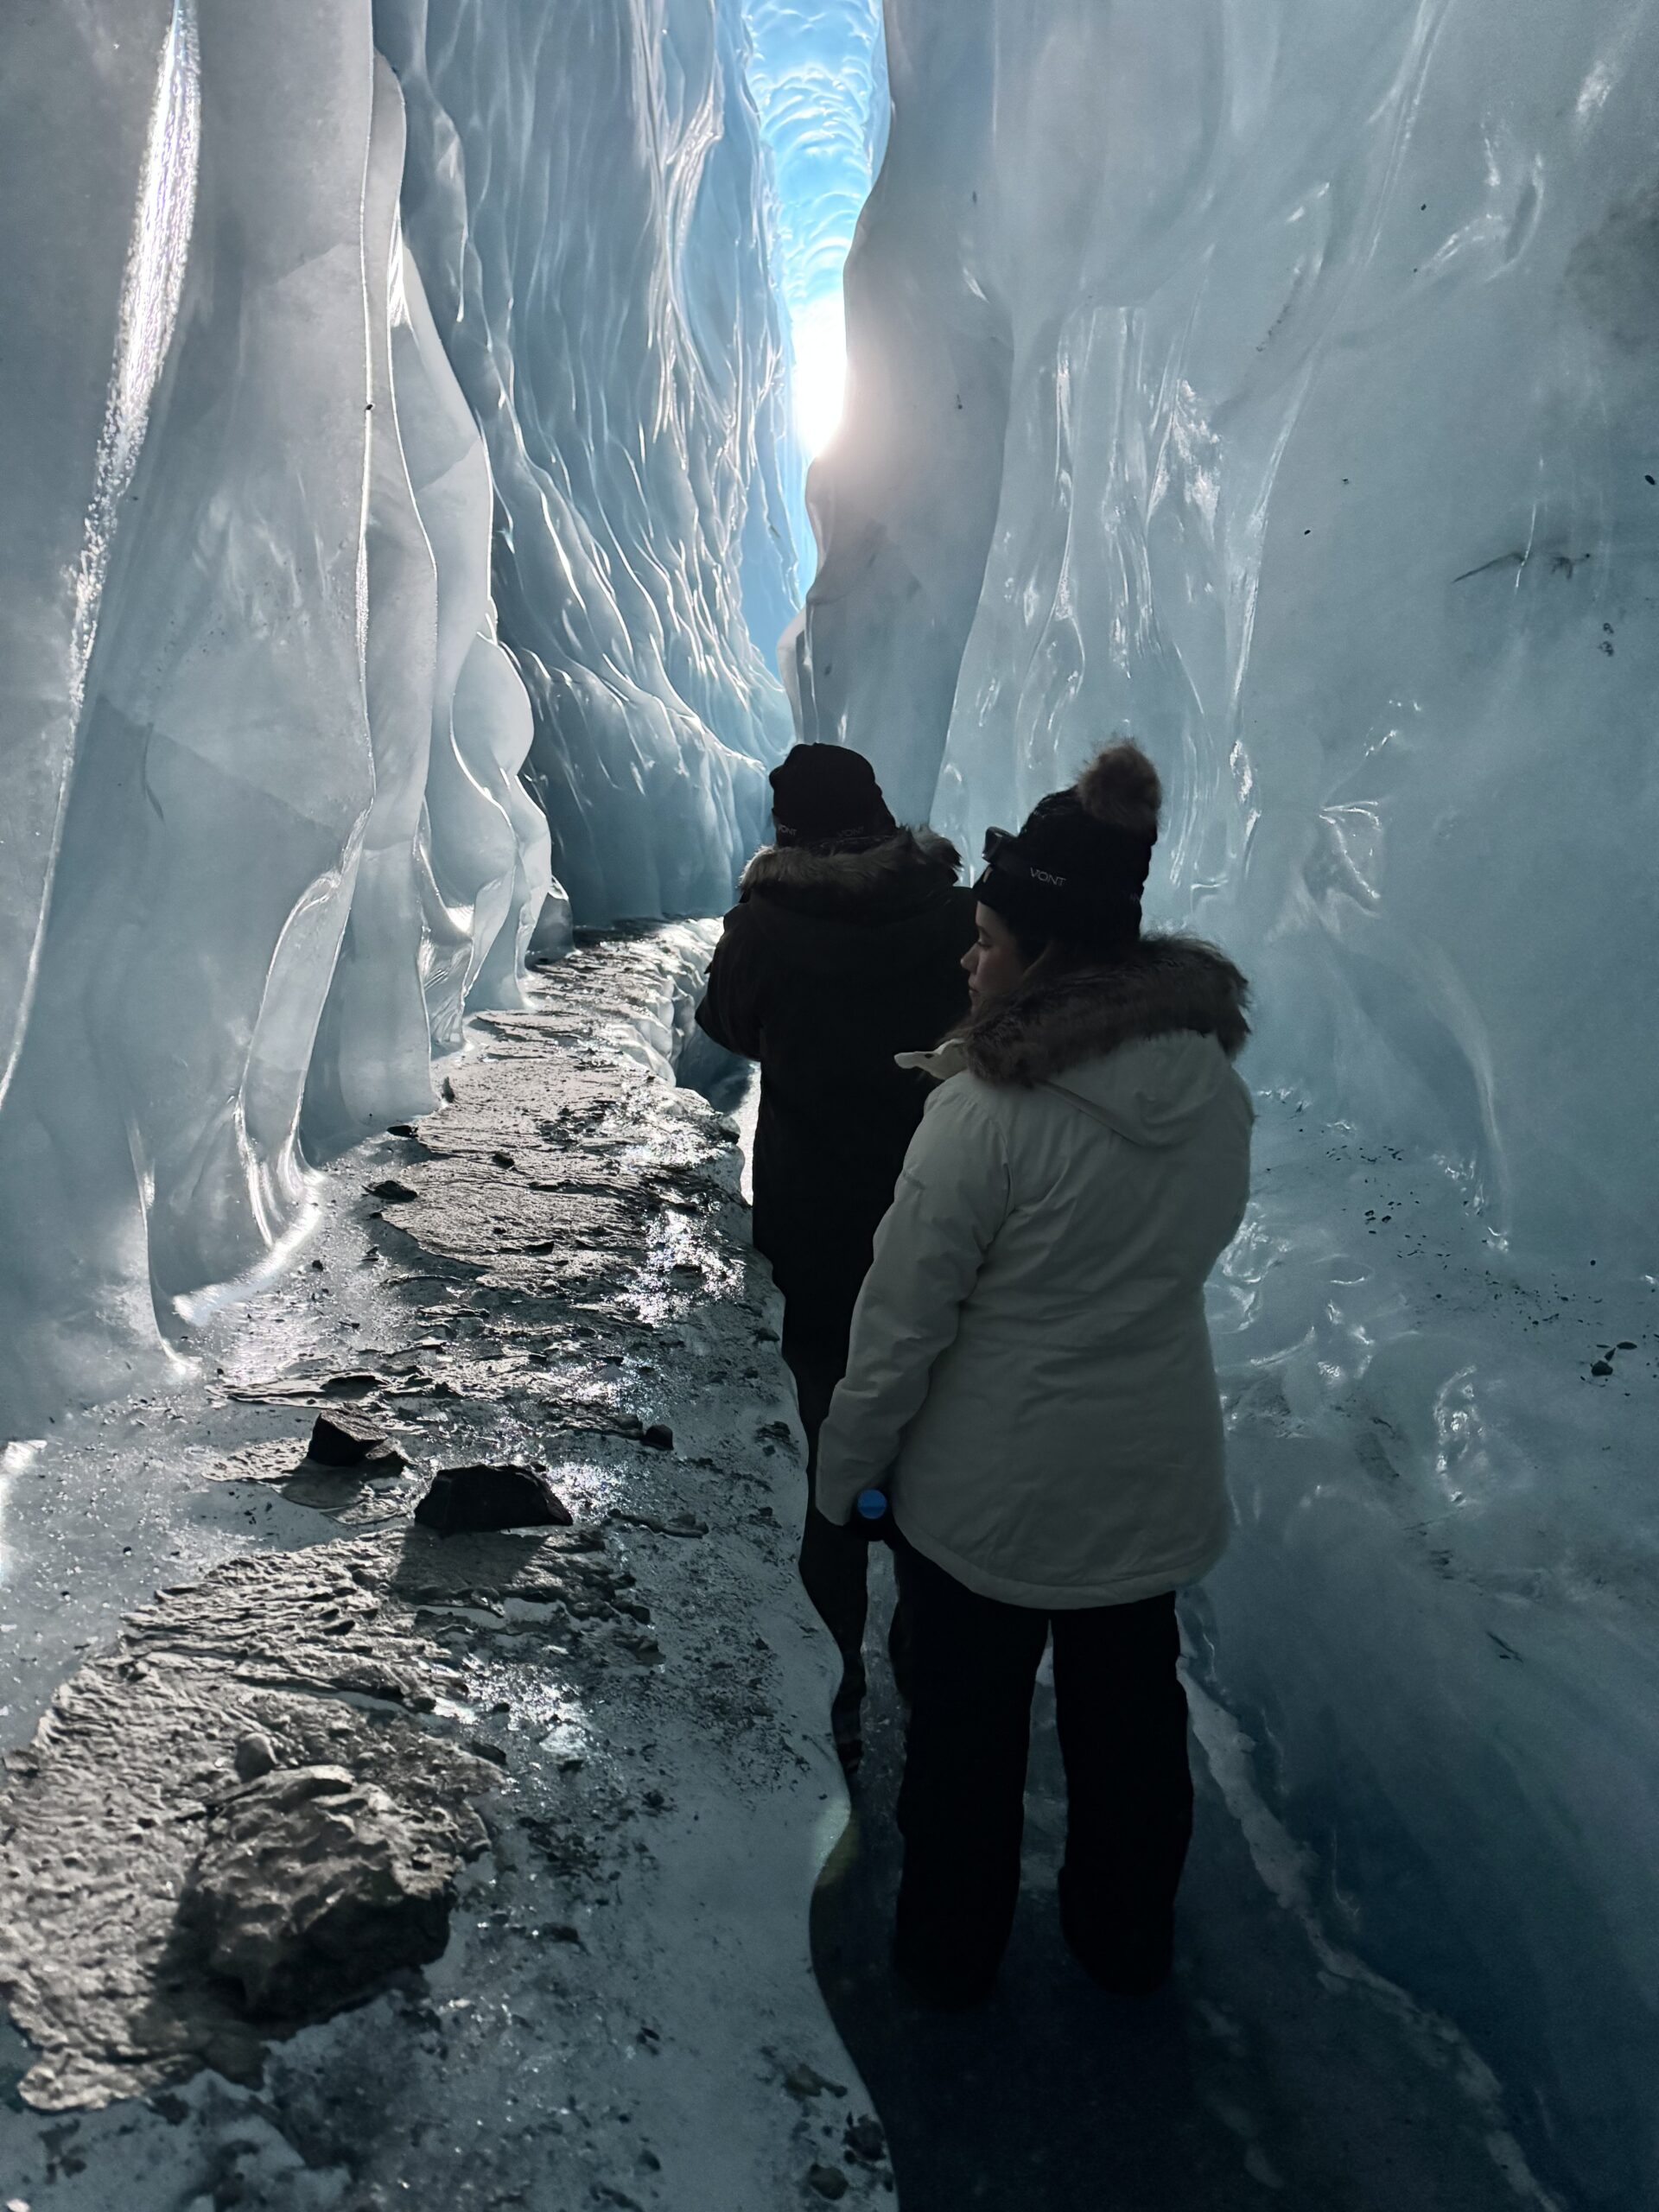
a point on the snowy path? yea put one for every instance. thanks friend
(625, 2013)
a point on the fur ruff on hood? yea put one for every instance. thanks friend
(893, 869)
(1164, 985)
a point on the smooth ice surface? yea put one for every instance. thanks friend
(584, 200)
(267, 617)
(76, 400)
(218, 764)
(1276, 384)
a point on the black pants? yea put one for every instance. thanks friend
(835, 1562)
(1121, 1718)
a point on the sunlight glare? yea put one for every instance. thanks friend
(820, 346)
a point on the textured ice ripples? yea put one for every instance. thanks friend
(269, 701)
(1275, 385)
(586, 207)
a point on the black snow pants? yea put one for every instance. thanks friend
(1121, 1718)
(835, 1562)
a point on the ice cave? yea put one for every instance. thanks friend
(453, 450)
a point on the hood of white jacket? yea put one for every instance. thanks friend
(1152, 1091)
(1141, 1044)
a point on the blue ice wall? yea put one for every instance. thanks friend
(584, 200)
(368, 483)
(1275, 381)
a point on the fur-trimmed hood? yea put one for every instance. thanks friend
(1166, 986)
(858, 883)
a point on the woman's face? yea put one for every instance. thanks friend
(993, 962)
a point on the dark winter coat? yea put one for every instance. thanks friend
(831, 963)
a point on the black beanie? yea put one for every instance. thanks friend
(1079, 865)
(821, 792)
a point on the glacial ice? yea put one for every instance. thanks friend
(585, 204)
(1276, 384)
(404, 511)
(216, 753)
(305, 590)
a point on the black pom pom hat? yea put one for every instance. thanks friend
(1078, 866)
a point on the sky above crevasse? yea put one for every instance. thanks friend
(818, 72)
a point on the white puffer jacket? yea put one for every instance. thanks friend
(1030, 1378)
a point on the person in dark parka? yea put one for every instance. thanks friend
(844, 948)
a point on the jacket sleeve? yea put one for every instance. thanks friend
(731, 1008)
(952, 1197)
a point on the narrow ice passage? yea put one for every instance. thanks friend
(445, 469)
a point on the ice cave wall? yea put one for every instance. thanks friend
(266, 688)
(585, 200)
(1277, 384)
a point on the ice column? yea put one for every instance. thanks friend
(372, 1060)
(1277, 385)
(76, 399)
(221, 761)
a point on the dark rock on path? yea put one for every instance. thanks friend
(343, 1440)
(468, 1499)
(254, 1756)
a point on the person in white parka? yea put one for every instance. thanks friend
(1031, 1382)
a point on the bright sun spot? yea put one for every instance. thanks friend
(820, 345)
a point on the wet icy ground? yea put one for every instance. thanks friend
(625, 2013)
(1401, 1636)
